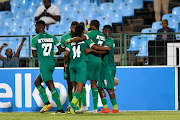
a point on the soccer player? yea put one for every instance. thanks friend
(93, 60)
(78, 63)
(108, 71)
(66, 73)
(42, 48)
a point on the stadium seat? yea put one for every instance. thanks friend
(62, 2)
(118, 2)
(138, 4)
(57, 29)
(134, 44)
(32, 10)
(143, 48)
(29, 21)
(127, 9)
(157, 25)
(89, 6)
(21, 14)
(80, 1)
(149, 0)
(1, 23)
(66, 21)
(170, 17)
(76, 14)
(11, 22)
(176, 11)
(174, 25)
(10, 33)
(5, 14)
(4, 29)
(69, 8)
(177, 36)
(16, 9)
(92, 14)
(106, 6)
(149, 36)
(19, 29)
(104, 21)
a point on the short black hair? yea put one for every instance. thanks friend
(108, 27)
(78, 30)
(48, 0)
(165, 20)
(95, 23)
(41, 22)
(74, 23)
(82, 23)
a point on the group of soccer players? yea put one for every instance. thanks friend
(87, 57)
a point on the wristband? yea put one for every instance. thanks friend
(69, 40)
(87, 26)
(54, 53)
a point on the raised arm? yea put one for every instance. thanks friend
(60, 50)
(20, 47)
(4, 45)
(100, 48)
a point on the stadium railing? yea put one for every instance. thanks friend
(149, 49)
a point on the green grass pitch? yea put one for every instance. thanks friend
(140, 115)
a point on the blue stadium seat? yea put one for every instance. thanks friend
(16, 9)
(149, 36)
(19, 29)
(117, 2)
(66, 21)
(106, 6)
(127, 9)
(104, 21)
(10, 33)
(170, 17)
(80, 1)
(57, 29)
(115, 14)
(92, 14)
(176, 11)
(149, 0)
(29, 21)
(177, 36)
(174, 25)
(134, 44)
(32, 10)
(62, 2)
(5, 14)
(1, 23)
(157, 25)
(138, 4)
(76, 14)
(143, 48)
(89, 6)
(4, 29)
(69, 8)
(11, 22)
(21, 14)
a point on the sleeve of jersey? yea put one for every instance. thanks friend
(89, 42)
(34, 46)
(111, 44)
(56, 42)
(62, 44)
(68, 48)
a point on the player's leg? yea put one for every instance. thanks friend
(102, 93)
(113, 101)
(42, 91)
(95, 78)
(48, 79)
(78, 75)
(110, 89)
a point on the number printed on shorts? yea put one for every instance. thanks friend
(47, 48)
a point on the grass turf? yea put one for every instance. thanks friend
(140, 115)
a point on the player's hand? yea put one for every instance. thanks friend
(68, 41)
(87, 51)
(108, 48)
(58, 52)
(65, 66)
(4, 45)
(86, 21)
(24, 39)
